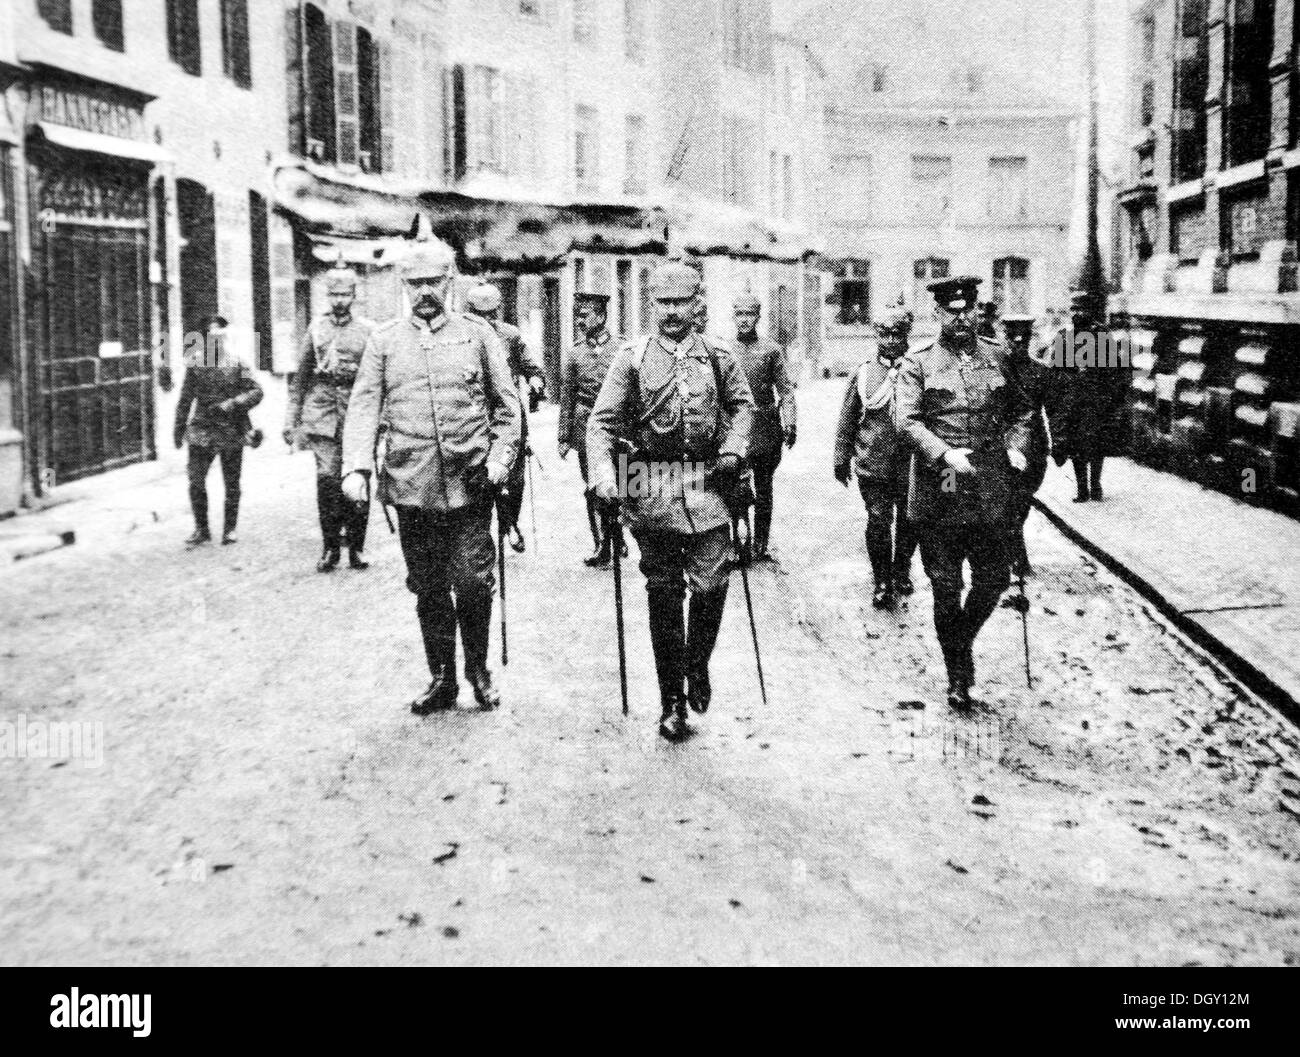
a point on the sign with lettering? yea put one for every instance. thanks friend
(88, 113)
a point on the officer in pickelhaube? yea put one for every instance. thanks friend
(318, 405)
(439, 386)
(584, 372)
(968, 427)
(868, 446)
(484, 302)
(768, 375)
(1032, 378)
(667, 441)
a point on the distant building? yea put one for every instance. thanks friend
(1207, 241)
(944, 161)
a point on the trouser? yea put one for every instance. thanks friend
(891, 539)
(594, 522)
(764, 468)
(512, 503)
(1087, 475)
(682, 643)
(337, 515)
(200, 462)
(450, 554)
(944, 549)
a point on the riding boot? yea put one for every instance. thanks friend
(668, 643)
(600, 557)
(882, 596)
(199, 504)
(904, 548)
(357, 518)
(438, 630)
(1094, 478)
(1080, 480)
(703, 622)
(949, 627)
(231, 518)
(474, 612)
(762, 518)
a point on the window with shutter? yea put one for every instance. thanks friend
(57, 14)
(183, 44)
(318, 64)
(106, 17)
(383, 153)
(293, 82)
(235, 59)
(1011, 285)
(455, 151)
(351, 47)
(586, 149)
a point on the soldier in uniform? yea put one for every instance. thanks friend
(439, 386)
(968, 428)
(220, 388)
(867, 442)
(484, 302)
(1032, 379)
(774, 412)
(584, 372)
(700, 315)
(676, 407)
(988, 324)
(318, 405)
(1087, 416)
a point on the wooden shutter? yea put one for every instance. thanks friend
(387, 115)
(293, 80)
(345, 90)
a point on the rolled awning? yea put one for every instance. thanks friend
(98, 143)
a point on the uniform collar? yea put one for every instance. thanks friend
(339, 322)
(439, 321)
(685, 347)
(976, 355)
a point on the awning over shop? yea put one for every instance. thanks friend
(98, 143)
(495, 222)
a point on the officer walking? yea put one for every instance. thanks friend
(220, 388)
(439, 386)
(769, 380)
(867, 442)
(968, 428)
(584, 372)
(318, 405)
(1031, 378)
(484, 302)
(667, 440)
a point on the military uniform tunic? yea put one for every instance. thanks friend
(327, 366)
(764, 363)
(585, 369)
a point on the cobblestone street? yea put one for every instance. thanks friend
(265, 796)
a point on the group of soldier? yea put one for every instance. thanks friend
(947, 442)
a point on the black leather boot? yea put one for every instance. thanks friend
(600, 556)
(882, 595)
(1080, 480)
(357, 520)
(701, 634)
(474, 613)
(438, 630)
(952, 643)
(668, 643)
(231, 520)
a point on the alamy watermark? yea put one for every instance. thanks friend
(39, 739)
(651, 479)
(1091, 348)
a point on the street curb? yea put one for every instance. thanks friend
(1247, 672)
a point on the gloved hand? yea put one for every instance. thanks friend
(496, 474)
(179, 438)
(1017, 460)
(791, 434)
(226, 406)
(842, 472)
(606, 495)
(728, 468)
(355, 486)
(537, 385)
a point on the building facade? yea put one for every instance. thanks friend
(1207, 242)
(135, 139)
(945, 162)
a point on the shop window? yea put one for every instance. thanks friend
(1011, 285)
(1243, 220)
(235, 60)
(57, 14)
(852, 292)
(183, 44)
(106, 18)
